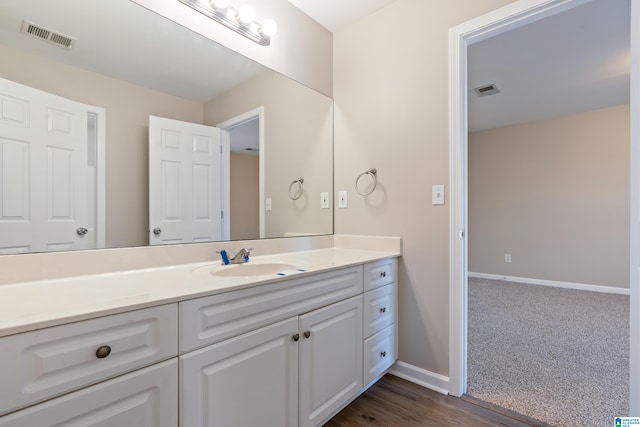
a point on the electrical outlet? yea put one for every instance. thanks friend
(324, 200)
(342, 199)
(267, 204)
(507, 257)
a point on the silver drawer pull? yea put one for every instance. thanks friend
(383, 274)
(103, 352)
(383, 354)
(383, 309)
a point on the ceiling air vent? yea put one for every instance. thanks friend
(45, 34)
(486, 90)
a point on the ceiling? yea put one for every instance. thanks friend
(574, 61)
(334, 14)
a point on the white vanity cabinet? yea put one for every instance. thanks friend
(296, 371)
(288, 353)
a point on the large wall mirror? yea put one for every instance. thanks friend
(75, 136)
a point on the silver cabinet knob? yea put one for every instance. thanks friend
(103, 352)
(383, 354)
(383, 309)
(296, 337)
(81, 231)
(157, 231)
(307, 334)
(383, 274)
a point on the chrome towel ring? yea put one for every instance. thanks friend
(373, 173)
(296, 189)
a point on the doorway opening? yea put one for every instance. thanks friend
(461, 37)
(247, 171)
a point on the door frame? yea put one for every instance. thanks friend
(101, 180)
(238, 120)
(460, 37)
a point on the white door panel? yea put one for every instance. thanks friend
(185, 183)
(43, 155)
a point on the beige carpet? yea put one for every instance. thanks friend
(560, 356)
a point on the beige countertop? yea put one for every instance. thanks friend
(38, 304)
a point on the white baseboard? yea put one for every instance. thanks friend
(422, 377)
(566, 285)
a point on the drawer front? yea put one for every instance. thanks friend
(144, 398)
(379, 309)
(208, 320)
(379, 353)
(41, 364)
(380, 273)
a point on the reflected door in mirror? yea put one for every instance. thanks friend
(43, 172)
(187, 181)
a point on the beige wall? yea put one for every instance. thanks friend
(128, 108)
(390, 89)
(555, 195)
(298, 139)
(245, 196)
(302, 48)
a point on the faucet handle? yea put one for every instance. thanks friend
(224, 257)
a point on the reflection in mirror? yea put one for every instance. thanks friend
(126, 64)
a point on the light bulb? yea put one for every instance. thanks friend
(269, 27)
(219, 4)
(246, 14)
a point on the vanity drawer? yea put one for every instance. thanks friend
(380, 273)
(208, 320)
(45, 363)
(379, 353)
(379, 309)
(144, 398)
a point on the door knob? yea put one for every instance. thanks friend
(81, 231)
(157, 231)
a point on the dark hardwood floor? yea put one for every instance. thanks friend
(393, 402)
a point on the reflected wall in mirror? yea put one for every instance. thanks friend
(132, 63)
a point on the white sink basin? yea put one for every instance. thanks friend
(253, 269)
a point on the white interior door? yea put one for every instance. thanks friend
(185, 182)
(43, 156)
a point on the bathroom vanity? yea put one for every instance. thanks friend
(201, 344)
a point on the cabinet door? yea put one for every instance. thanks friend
(249, 380)
(144, 398)
(330, 359)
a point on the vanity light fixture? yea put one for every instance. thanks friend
(240, 20)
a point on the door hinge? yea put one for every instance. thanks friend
(221, 214)
(221, 149)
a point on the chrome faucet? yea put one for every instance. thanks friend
(241, 256)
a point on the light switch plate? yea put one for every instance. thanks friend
(437, 194)
(342, 199)
(267, 204)
(324, 200)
